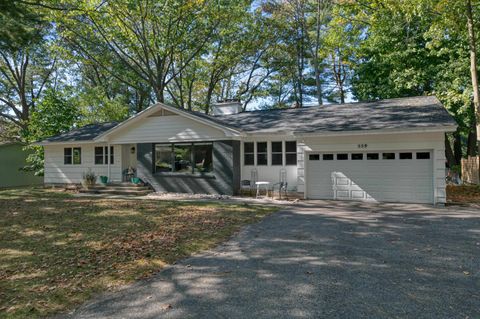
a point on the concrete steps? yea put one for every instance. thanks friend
(125, 188)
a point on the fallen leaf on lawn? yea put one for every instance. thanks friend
(166, 307)
(466, 273)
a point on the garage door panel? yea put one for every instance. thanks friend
(358, 194)
(383, 180)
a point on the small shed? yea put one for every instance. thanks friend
(12, 159)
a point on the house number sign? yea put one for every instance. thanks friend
(362, 145)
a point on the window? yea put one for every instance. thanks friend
(163, 158)
(314, 157)
(357, 156)
(262, 153)
(184, 158)
(67, 156)
(248, 153)
(72, 155)
(388, 156)
(203, 157)
(327, 157)
(277, 153)
(423, 155)
(372, 156)
(342, 157)
(291, 152)
(404, 156)
(101, 155)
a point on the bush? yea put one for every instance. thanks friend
(89, 178)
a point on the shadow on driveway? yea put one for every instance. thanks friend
(322, 259)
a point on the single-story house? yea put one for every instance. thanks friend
(389, 150)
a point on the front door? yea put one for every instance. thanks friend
(129, 159)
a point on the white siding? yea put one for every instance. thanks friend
(58, 173)
(269, 173)
(166, 129)
(405, 141)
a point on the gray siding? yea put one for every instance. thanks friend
(224, 180)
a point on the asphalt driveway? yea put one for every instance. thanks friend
(322, 259)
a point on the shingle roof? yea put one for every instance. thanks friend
(399, 113)
(84, 133)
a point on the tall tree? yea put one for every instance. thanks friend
(146, 37)
(26, 63)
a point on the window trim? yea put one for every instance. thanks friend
(276, 153)
(104, 155)
(385, 156)
(423, 158)
(353, 155)
(72, 155)
(291, 153)
(249, 153)
(194, 171)
(328, 157)
(401, 154)
(261, 153)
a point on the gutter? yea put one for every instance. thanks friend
(443, 129)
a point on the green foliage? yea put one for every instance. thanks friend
(95, 107)
(413, 48)
(53, 115)
(20, 25)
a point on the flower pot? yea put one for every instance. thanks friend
(135, 180)
(104, 179)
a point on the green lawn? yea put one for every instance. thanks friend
(56, 250)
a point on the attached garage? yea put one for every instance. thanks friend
(389, 175)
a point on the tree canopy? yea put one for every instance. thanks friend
(111, 59)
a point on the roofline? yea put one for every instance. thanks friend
(45, 143)
(443, 128)
(155, 106)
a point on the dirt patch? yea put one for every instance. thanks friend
(463, 194)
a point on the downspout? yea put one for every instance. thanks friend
(108, 160)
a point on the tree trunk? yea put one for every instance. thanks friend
(473, 69)
(472, 141)
(449, 152)
(316, 65)
(457, 147)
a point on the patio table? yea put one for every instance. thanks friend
(259, 185)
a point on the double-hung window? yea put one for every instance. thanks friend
(101, 155)
(72, 155)
(291, 152)
(277, 153)
(248, 153)
(262, 158)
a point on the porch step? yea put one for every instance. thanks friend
(118, 189)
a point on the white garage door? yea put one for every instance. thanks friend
(391, 176)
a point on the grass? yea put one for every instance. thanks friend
(57, 250)
(463, 194)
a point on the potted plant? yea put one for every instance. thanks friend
(136, 180)
(89, 179)
(104, 180)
